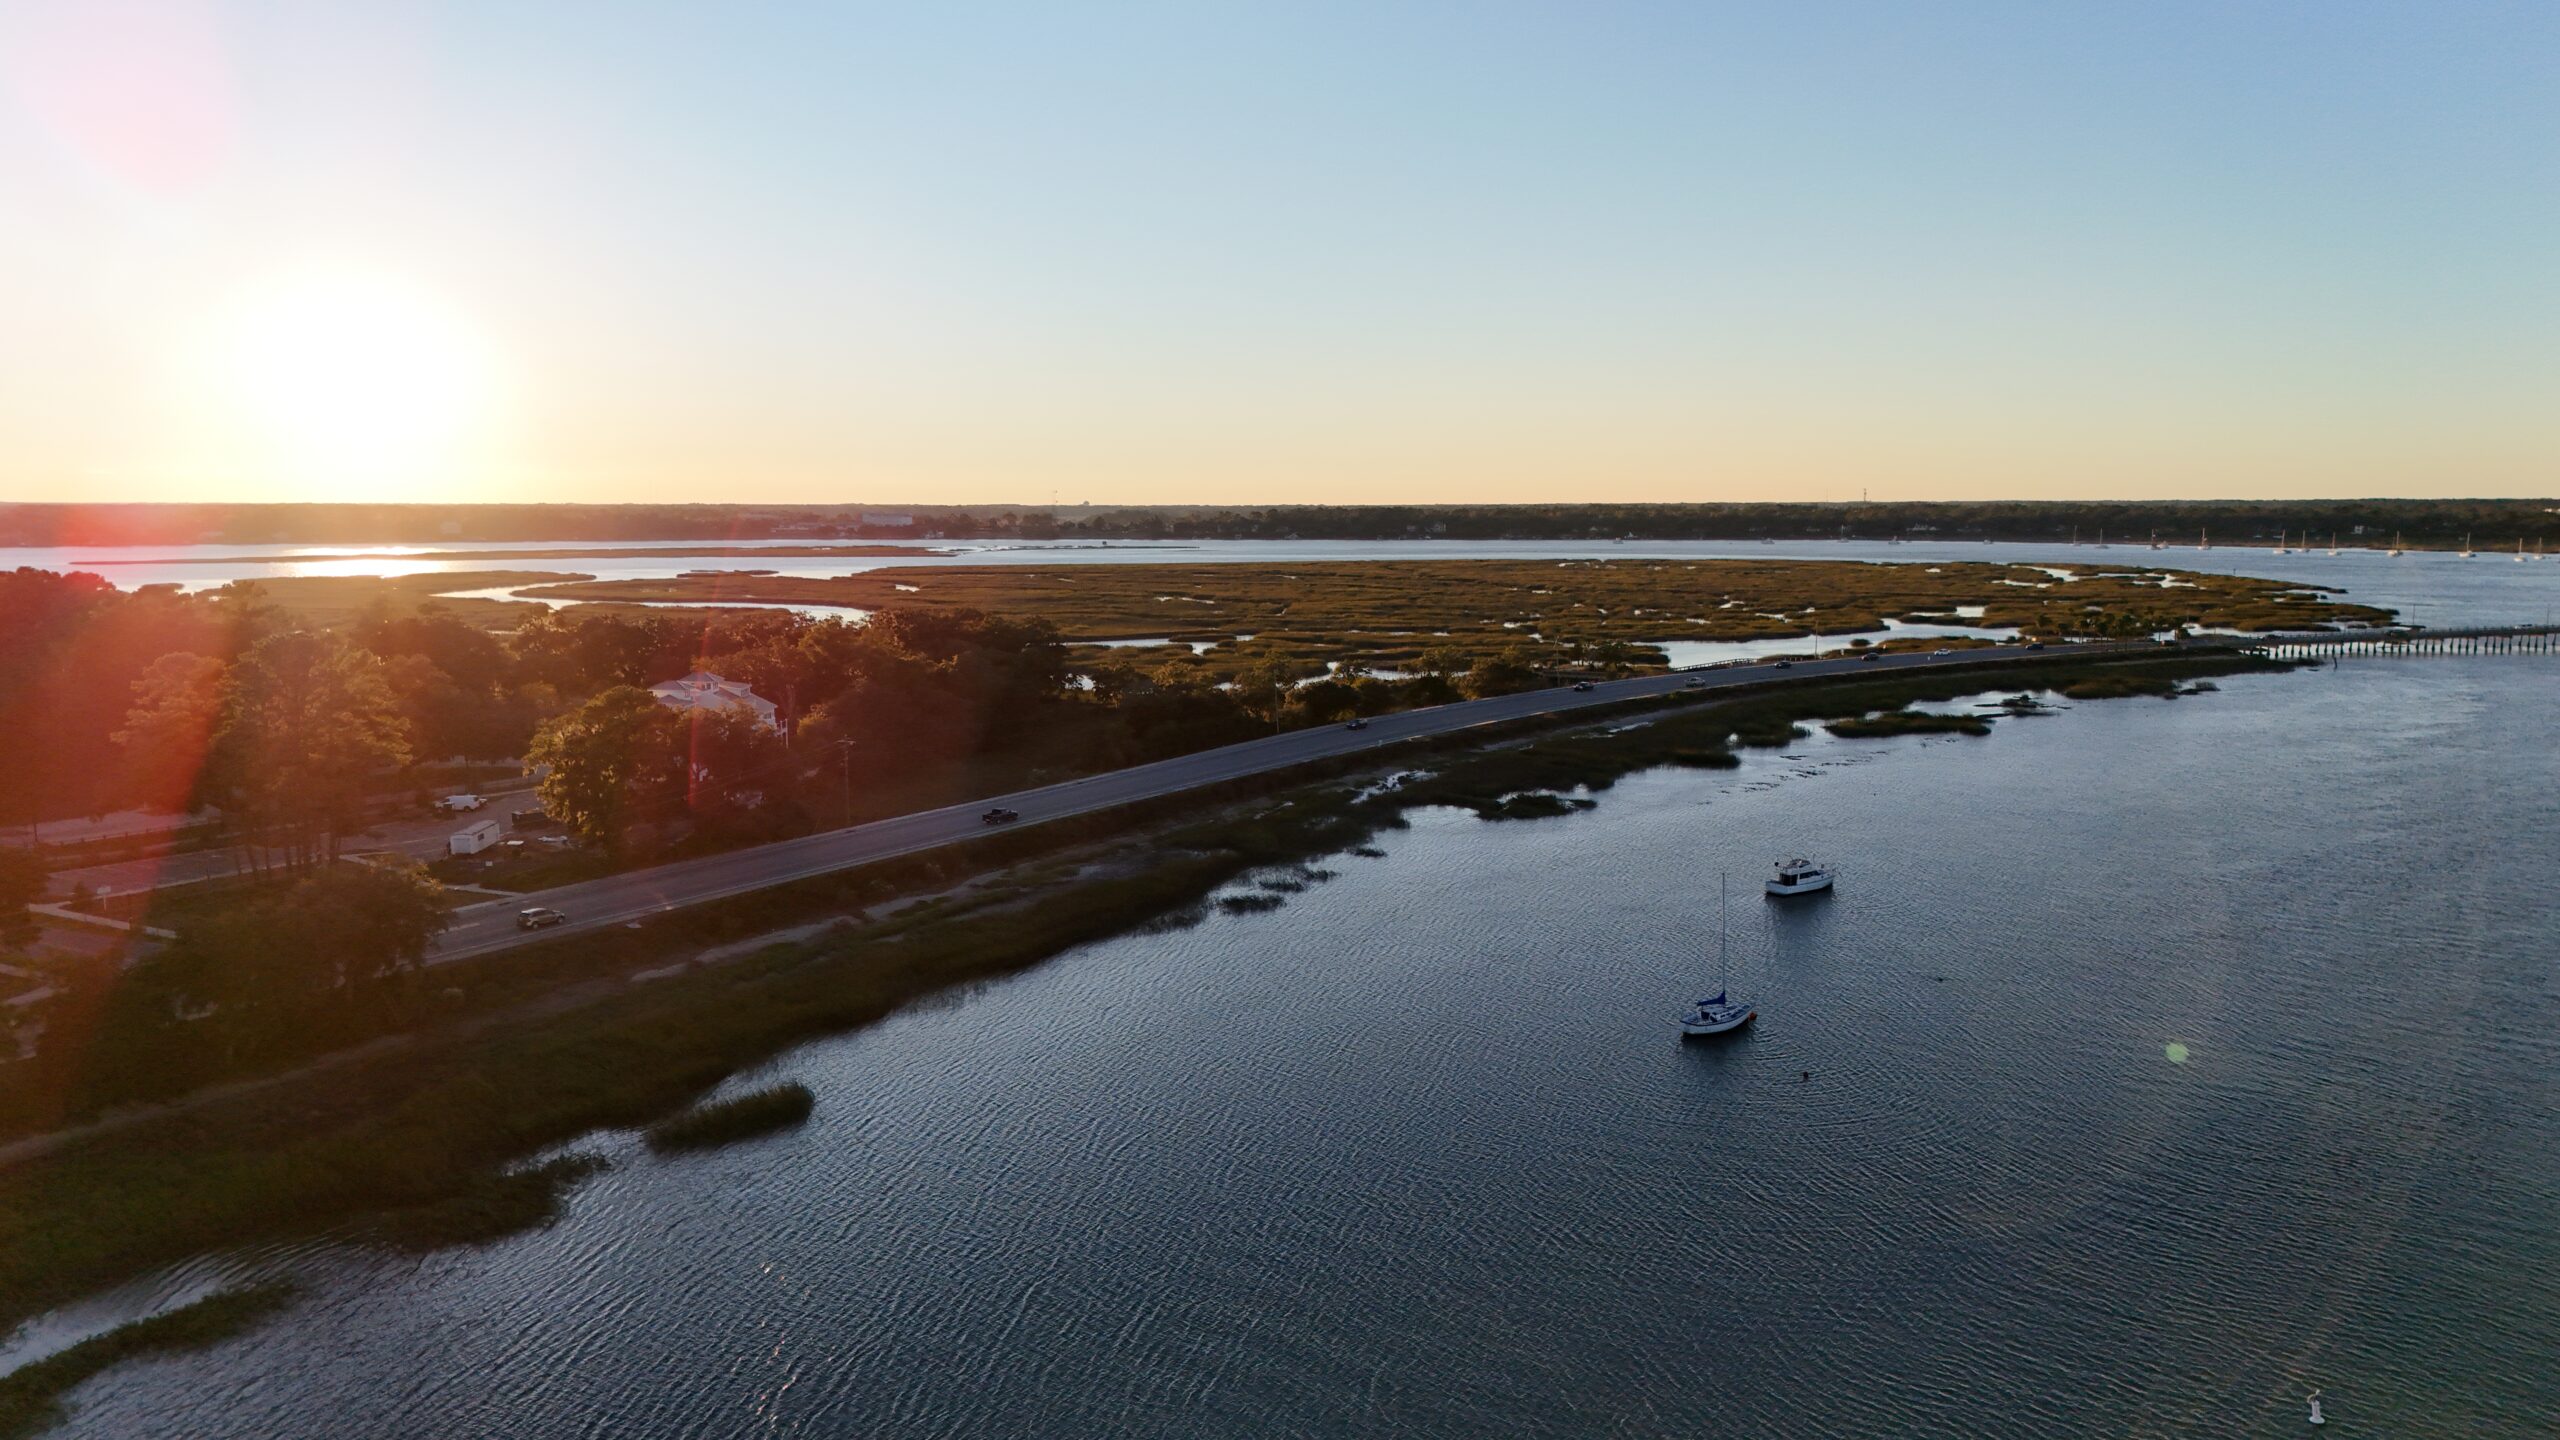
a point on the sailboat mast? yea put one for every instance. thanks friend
(1721, 877)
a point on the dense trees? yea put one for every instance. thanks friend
(306, 721)
(21, 885)
(299, 737)
(617, 757)
(337, 954)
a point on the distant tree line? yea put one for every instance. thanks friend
(2424, 522)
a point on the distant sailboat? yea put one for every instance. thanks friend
(2333, 542)
(2280, 550)
(2521, 557)
(2399, 545)
(2201, 542)
(2102, 537)
(2466, 544)
(1718, 1013)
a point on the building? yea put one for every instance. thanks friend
(878, 520)
(703, 690)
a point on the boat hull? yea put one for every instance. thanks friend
(1808, 887)
(1699, 1029)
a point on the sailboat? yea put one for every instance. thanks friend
(2102, 537)
(2521, 557)
(2399, 544)
(2333, 542)
(2466, 544)
(1718, 1013)
(2201, 542)
(2280, 550)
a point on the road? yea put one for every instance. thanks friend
(618, 899)
(419, 837)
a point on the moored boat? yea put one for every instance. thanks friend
(1799, 877)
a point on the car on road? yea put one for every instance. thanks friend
(460, 803)
(1786, 664)
(539, 917)
(1935, 653)
(1357, 725)
(999, 816)
(1872, 655)
(2035, 644)
(1694, 682)
(1581, 685)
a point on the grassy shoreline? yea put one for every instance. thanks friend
(31, 1395)
(427, 1122)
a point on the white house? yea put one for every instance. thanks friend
(703, 690)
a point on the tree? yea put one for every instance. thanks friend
(1506, 673)
(611, 759)
(307, 720)
(21, 885)
(288, 974)
(176, 705)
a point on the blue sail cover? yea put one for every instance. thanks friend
(1716, 1001)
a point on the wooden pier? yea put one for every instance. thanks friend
(2329, 644)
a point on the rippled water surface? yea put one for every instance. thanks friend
(1420, 1153)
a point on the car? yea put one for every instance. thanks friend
(1786, 664)
(539, 917)
(1934, 653)
(1360, 724)
(2035, 644)
(460, 803)
(1872, 655)
(1581, 685)
(1694, 682)
(999, 816)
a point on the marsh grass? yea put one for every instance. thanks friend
(1908, 722)
(2120, 687)
(31, 1396)
(489, 1206)
(759, 1112)
(1387, 615)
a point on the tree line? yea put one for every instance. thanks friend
(2423, 522)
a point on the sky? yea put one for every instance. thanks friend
(1277, 253)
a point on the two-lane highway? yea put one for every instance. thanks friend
(619, 899)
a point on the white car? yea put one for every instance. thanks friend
(459, 803)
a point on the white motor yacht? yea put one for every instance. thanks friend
(1799, 877)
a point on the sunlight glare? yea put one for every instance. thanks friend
(349, 377)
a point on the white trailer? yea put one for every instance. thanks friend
(476, 838)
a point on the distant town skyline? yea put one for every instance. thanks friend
(1315, 254)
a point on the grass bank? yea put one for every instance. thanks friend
(1908, 722)
(31, 1396)
(760, 1112)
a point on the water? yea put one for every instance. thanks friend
(2167, 1060)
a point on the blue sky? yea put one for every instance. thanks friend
(1274, 253)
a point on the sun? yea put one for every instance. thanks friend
(352, 377)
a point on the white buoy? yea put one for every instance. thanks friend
(2316, 1417)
